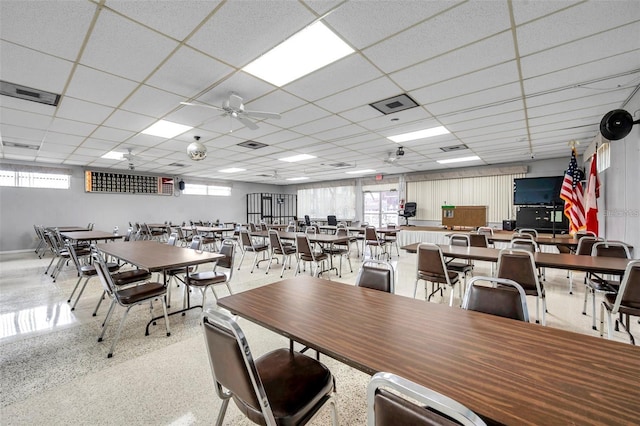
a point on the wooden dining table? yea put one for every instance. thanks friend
(509, 372)
(594, 264)
(90, 236)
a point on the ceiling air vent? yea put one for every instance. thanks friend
(252, 144)
(20, 145)
(176, 165)
(394, 104)
(454, 148)
(28, 93)
(339, 165)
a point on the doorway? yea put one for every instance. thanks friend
(380, 207)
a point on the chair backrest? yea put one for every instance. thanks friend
(90, 226)
(196, 243)
(263, 226)
(410, 209)
(478, 240)
(291, 227)
(252, 227)
(232, 364)
(307, 220)
(376, 274)
(519, 266)
(310, 230)
(522, 236)
(459, 240)
(274, 240)
(504, 298)
(103, 272)
(629, 292)
(411, 404)
(129, 234)
(303, 246)
(332, 220)
(530, 231)
(524, 244)
(245, 238)
(611, 249)
(585, 244)
(487, 230)
(74, 256)
(431, 260)
(228, 249)
(370, 234)
(173, 239)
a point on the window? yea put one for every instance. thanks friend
(34, 180)
(321, 202)
(604, 157)
(219, 191)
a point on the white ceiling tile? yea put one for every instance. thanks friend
(277, 101)
(570, 24)
(525, 11)
(53, 138)
(320, 125)
(75, 109)
(494, 120)
(18, 156)
(462, 25)
(24, 119)
(99, 144)
(242, 84)
(300, 115)
(553, 103)
(61, 125)
(360, 113)
(508, 93)
(129, 121)
(152, 102)
(112, 134)
(99, 87)
(110, 47)
(416, 115)
(367, 93)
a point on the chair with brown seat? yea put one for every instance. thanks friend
(599, 283)
(374, 242)
(392, 237)
(519, 266)
(248, 245)
(432, 269)
(463, 268)
(282, 387)
(127, 297)
(86, 271)
(529, 231)
(307, 254)
(209, 279)
(341, 248)
(394, 400)
(502, 297)
(377, 275)
(626, 302)
(277, 248)
(585, 244)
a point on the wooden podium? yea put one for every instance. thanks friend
(470, 216)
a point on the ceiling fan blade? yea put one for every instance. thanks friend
(202, 105)
(235, 102)
(250, 124)
(262, 114)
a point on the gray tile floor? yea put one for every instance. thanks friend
(53, 371)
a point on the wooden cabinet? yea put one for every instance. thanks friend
(472, 216)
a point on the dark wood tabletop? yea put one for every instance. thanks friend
(597, 264)
(314, 238)
(68, 228)
(90, 235)
(156, 256)
(509, 372)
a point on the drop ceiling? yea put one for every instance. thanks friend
(508, 79)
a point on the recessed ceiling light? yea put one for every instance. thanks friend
(166, 129)
(420, 134)
(113, 155)
(357, 172)
(232, 170)
(304, 52)
(459, 160)
(298, 178)
(295, 158)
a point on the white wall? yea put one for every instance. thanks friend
(21, 208)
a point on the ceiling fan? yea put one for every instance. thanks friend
(130, 156)
(393, 157)
(233, 107)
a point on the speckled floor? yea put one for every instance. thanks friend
(53, 370)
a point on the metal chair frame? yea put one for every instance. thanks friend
(615, 309)
(494, 283)
(539, 288)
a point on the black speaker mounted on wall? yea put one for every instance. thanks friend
(181, 185)
(616, 124)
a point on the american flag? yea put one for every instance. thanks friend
(572, 195)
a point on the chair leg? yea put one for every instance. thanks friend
(587, 290)
(415, 289)
(255, 262)
(74, 290)
(95, 311)
(80, 294)
(106, 320)
(166, 316)
(223, 410)
(115, 340)
(593, 311)
(453, 288)
(241, 259)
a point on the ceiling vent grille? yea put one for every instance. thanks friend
(252, 144)
(454, 148)
(20, 145)
(339, 165)
(394, 104)
(177, 165)
(28, 93)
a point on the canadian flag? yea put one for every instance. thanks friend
(591, 196)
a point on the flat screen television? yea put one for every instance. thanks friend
(537, 191)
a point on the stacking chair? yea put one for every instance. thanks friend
(177, 273)
(127, 297)
(340, 249)
(123, 279)
(392, 238)
(503, 297)
(598, 283)
(626, 303)
(522, 236)
(463, 268)
(432, 268)
(277, 248)
(518, 265)
(86, 271)
(41, 248)
(209, 279)
(248, 245)
(282, 387)
(585, 244)
(529, 231)
(306, 254)
(407, 403)
(477, 239)
(529, 245)
(332, 220)
(208, 240)
(377, 275)
(373, 241)
(486, 230)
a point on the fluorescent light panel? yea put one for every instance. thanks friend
(304, 52)
(298, 178)
(113, 155)
(295, 158)
(357, 172)
(232, 170)
(166, 129)
(459, 160)
(420, 134)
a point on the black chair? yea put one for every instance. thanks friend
(394, 400)
(332, 220)
(282, 387)
(410, 210)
